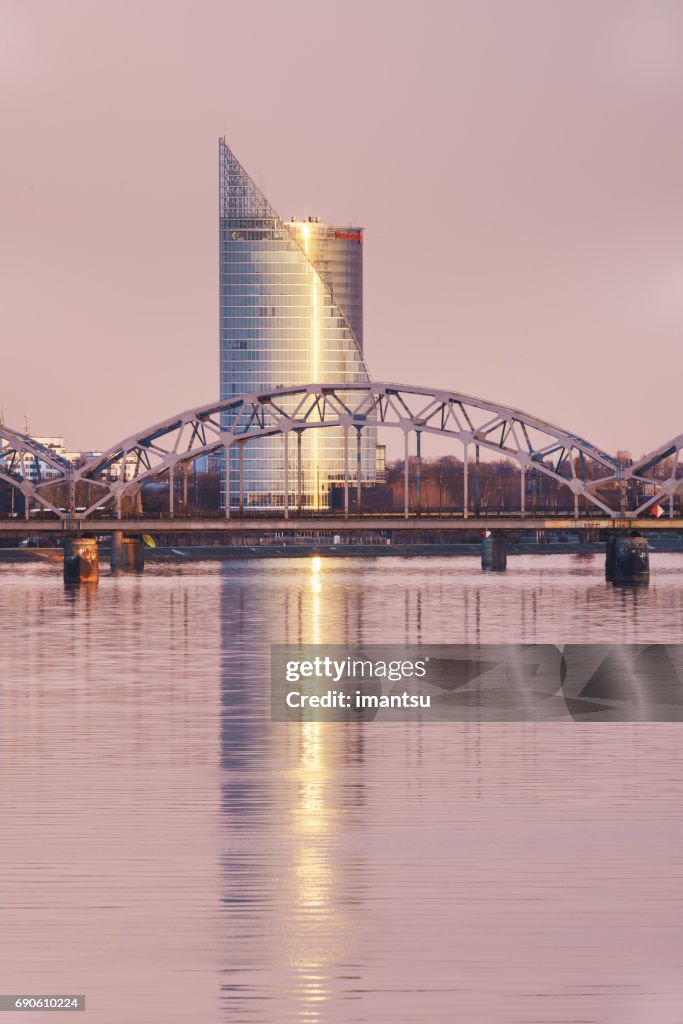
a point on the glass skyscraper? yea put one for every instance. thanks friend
(291, 312)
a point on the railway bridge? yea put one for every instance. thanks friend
(105, 493)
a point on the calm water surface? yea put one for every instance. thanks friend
(175, 856)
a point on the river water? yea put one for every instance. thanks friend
(177, 857)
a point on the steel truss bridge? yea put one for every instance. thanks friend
(613, 494)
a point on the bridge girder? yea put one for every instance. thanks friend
(178, 440)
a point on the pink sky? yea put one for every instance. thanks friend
(518, 168)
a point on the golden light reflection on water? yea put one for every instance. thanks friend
(316, 591)
(318, 875)
(312, 817)
(320, 922)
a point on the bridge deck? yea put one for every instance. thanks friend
(331, 524)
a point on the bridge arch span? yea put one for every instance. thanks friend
(658, 471)
(32, 469)
(472, 422)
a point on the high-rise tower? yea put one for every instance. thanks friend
(291, 312)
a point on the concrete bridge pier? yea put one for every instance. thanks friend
(81, 564)
(627, 559)
(126, 553)
(493, 553)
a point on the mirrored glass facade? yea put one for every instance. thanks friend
(291, 312)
